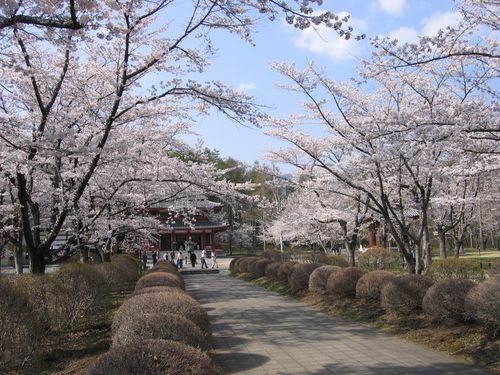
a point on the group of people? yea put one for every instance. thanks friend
(179, 259)
(191, 255)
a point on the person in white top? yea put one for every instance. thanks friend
(214, 259)
(180, 259)
(203, 258)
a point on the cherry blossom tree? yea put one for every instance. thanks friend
(77, 75)
(321, 212)
(389, 143)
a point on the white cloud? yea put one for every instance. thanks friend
(405, 35)
(246, 86)
(430, 27)
(438, 21)
(393, 7)
(325, 41)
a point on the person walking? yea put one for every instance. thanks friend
(144, 261)
(180, 259)
(203, 259)
(214, 259)
(155, 258)
(192, 258)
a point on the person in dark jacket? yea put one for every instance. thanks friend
(192, 257)
(155, 258)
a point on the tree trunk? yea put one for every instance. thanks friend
(19, 253)
(19, 260)
(442, 242)
(37, 263)
(84, 254)
(419, 264)
(458, 248)
(427, 247)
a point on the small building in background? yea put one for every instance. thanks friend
(187, 220)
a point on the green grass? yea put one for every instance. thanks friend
(475, 254)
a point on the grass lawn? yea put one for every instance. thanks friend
(488, 254)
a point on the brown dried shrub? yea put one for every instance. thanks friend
(343, 282)
(495, 268)
(244, 265)
(114, 275)
(175, 303)
(154, 357)
(275, 255)
(128, 265)
(161, 326)
(378, 258)
(445, 300)
(319, 277)
(157, 289)
(333, 260)
(21, 329)
(79, 295)
(271, 270)
(37, 289)
(284, 270)
(482, 304)
(164, 265)
(404, 294)
(455, 268)
(370, 285)
(233, 263)
(299, 277)
(160, 279)
(258, 268)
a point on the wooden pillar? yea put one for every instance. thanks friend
(372, 235)
(212, 237)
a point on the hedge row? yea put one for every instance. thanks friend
(74, 296)
(451, 295)
(159, 330)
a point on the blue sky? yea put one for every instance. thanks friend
(247, 67)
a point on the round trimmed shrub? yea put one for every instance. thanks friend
(455, 268)
(115, 275)
(161, 326)
(271, 271)
(37, 290)
(495, 268)
(343, 282)
(319, 277)
(370, 285)
(154, 357)
(128, 265)
(78, 295)
(299, 277)
(404, 294)
(274, 255)
(244, 265)
(258, 268)
(378, 258)
(333, 260)
(21, 328)
(157, 289)
(445, 300)
(482, 304)
(165, 266)
(284, 271)
(156, 303)
(232, 264)
(160, 279)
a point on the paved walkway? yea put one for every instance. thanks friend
(259, 332)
